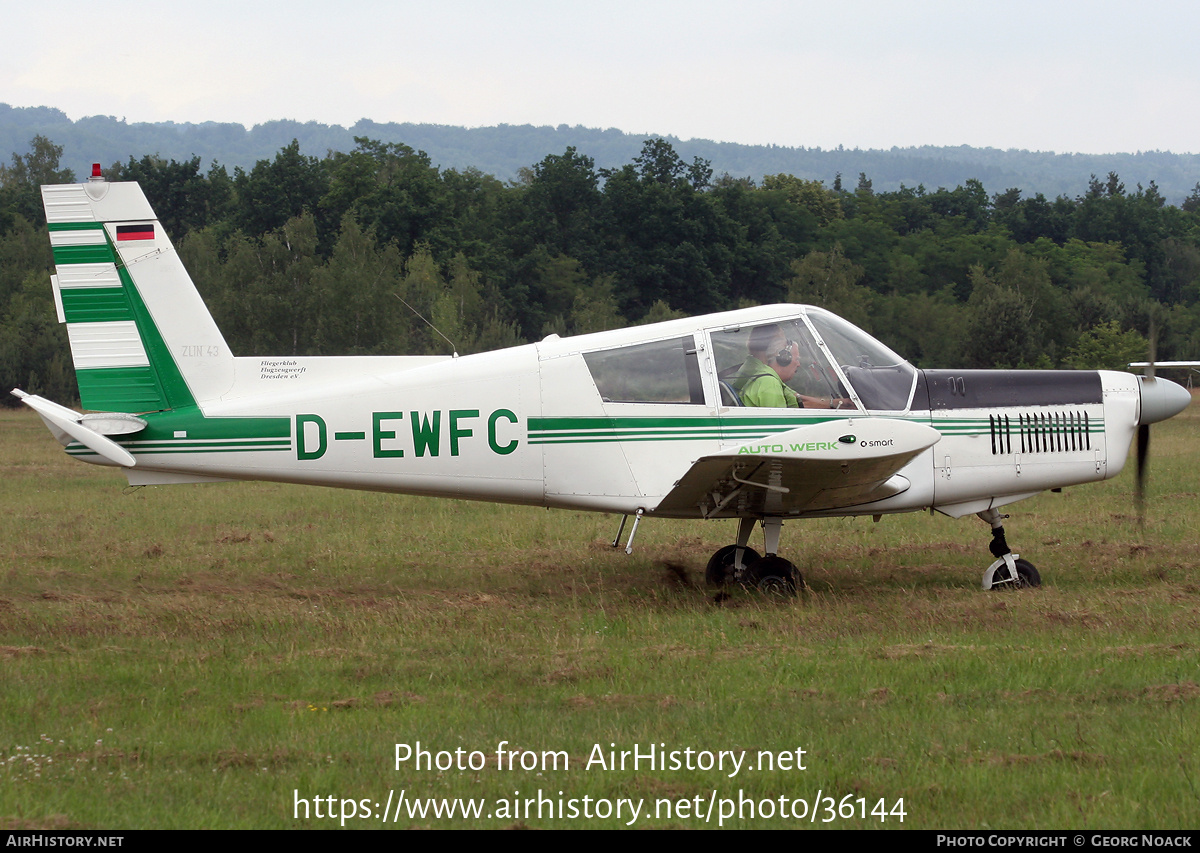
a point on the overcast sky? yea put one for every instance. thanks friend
(1095, 77)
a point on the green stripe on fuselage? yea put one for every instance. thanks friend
(607, 422)
(189, 431)
(195, 427)
(604, 429)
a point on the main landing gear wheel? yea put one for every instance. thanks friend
(773, 576)
(721, 566)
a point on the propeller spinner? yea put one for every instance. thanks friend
(1161, 399)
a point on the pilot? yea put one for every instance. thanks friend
(773, 360)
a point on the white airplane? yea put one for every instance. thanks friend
(644, 421)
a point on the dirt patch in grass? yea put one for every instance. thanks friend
(387, 698)
(925, 650)
(574, 674)
(1183, 692)
(20, 651)
(1054, 755)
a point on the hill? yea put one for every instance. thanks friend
(504, 150)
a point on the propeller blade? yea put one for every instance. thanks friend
(1143, 433)
(1143, 453)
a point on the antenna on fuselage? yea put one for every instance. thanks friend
(453, 346)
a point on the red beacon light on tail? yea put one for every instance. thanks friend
(96, 187)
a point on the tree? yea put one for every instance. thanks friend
(354, 297)
(390, 188)
(267, 294)
(20, 183)
(460, 309)
(559, 204)
(1015, 314)
(810, 195)
(1019, 289)
(1030, 219)
(1191, 204)
(1106, 347)
(659, 163)
(550, 284)
(1182, 266)
(999, 325)
(660, 312)
(24, 249)
(929, 329)
(277, 191)
(828, 280)
(182, 198)
(966, 206)
(768, 231)
(595, 308)
(662, 238)
(34, 353)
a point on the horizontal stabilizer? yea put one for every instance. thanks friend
(113, 423)
(64, 422)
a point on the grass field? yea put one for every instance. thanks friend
(207, 656)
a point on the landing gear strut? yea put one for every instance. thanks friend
(741, 564)
(1009, 570)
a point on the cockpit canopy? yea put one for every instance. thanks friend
(834, 360)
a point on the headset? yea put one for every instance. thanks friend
(784, 357)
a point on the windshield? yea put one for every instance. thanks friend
(881, 379)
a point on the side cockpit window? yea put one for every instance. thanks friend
(775, 365)
(657, 372)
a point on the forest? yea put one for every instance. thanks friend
(351, 254)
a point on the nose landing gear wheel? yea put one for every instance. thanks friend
(1027, 576)
(999, 576)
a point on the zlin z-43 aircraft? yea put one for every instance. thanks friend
(682, 419)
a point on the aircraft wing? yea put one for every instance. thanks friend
(838, 463)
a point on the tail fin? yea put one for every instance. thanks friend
(141, 337)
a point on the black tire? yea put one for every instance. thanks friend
(773, 576)
(1027, 577)
(720, 568)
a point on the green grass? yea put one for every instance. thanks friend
(190, 656)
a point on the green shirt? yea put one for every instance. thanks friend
(759, 385)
